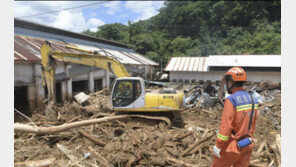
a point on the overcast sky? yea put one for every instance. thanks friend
(84, 18)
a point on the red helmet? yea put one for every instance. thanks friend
(237, 74)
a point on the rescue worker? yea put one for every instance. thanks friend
(235, 122)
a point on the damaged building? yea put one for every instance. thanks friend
(71, 78)
(212, 68)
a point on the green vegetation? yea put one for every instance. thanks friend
(202, 28)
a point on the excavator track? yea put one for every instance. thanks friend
(174, 116)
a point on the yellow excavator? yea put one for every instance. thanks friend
(128, 94)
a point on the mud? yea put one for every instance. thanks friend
(153, 140)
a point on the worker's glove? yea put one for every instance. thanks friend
(216, 151)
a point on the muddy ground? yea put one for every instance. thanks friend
(142, 142)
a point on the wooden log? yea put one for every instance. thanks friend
(74, 119)
(179, 162)
(101, 159)
(271, 163)
(209, 112)
(172, 151)
(46, 123)
(102, 91)
(199, 147)
(258, 165)
(205, 133)
(23, 128)
(184, 136)
(278, 143)
(261, 147)
(93, 139)
(254, 161)
(185, 152)
(38, 163)
(276, 153)
(42, 116)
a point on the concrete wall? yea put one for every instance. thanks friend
(217, 76)
(27, 73)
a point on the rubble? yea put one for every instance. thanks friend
(140, 141)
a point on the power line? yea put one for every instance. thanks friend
(56, 11)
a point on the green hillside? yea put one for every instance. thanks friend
(202, 28)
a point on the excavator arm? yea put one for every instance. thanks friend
(85, 57)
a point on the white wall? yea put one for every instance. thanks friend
(23, 74)
(217, 76)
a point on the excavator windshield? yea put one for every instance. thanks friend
(126, 92)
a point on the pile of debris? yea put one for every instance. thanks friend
(127, 140)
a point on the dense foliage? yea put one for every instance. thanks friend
(202, 28)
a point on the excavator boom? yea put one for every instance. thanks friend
(89, 58)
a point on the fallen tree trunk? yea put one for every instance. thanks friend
(38, 163)
(23, 128)
(91, 138)
(48, 130)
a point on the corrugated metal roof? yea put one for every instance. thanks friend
(28, 48)
(203, 63)
(18, 23)
(186, 64)
(245, 60)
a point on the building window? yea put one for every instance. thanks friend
(80, 86)
(181, 80)
(21, 102)
(209, 82)
(98, 84)
(59, 92)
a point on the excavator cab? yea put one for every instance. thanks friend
(128, 92)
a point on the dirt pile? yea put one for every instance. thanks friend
(143, 142)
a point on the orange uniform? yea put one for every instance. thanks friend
(235, 118)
